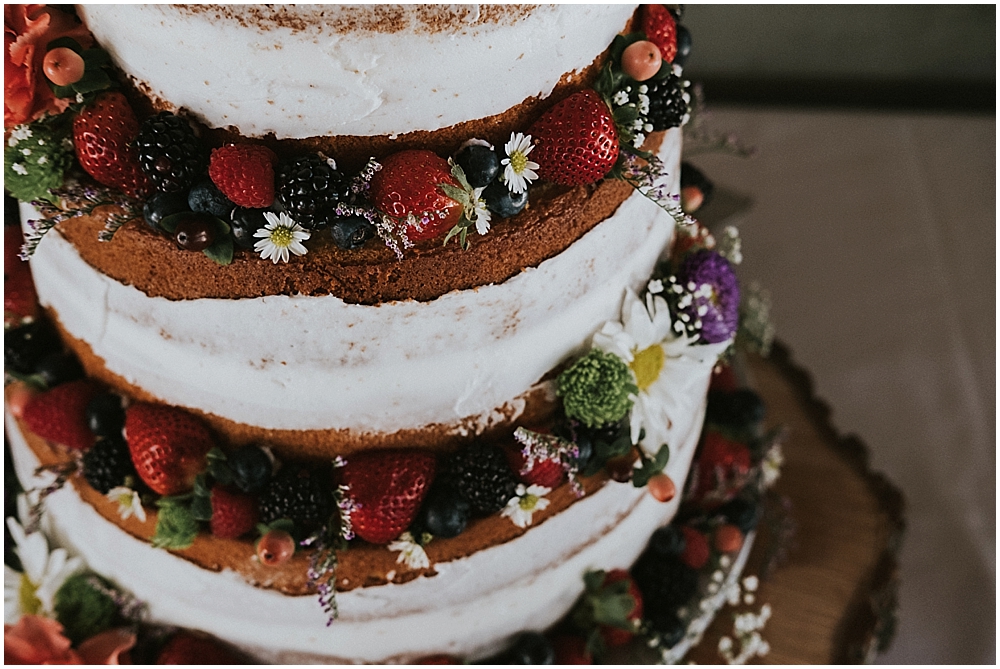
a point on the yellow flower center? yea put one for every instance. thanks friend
(646, 365)
(528, 502)
(518, 162)
(27, 597)
(281, 236)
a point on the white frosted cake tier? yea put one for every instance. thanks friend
(312, 70)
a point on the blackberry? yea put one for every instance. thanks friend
(669, 102)
(25, 346)
(298, 494)
(743, 513)
(169, 153)
(58, 367)
(481, 475)
(309, 187)
(738, 409)
(665, 582)
(108, 464)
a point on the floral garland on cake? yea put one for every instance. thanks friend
(67, 127)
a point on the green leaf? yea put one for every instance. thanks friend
(459, 173)
(218, 467)
(176, 526)
(457, 194)
(592, 580)
(169, 223)
(96, 80)
(650, 467)
(221, 250)
(626, 115)
(67, 42)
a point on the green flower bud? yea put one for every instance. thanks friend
(82, 609)
(596, 389)
(35, 160)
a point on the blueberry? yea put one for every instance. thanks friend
(530, 648)
(206, 197)
(683, 45)
(445, 513)
(667, 541)
(742, 513)
(161, 205)
(25, 346)
(251, 468)
(58, 367)
(480, 164)
(351, 232)
(105, 415)
(245, 222)
(502, 202)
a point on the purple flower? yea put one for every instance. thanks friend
(711, 280)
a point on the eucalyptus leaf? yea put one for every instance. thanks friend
(651, 466)
(221, 250)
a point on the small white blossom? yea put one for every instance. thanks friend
(411, 553)
(34, 590)
(518, 171)
(279, 236)
(771, 466)
(128, 503)
(19, 133)
(620, 98)
(751, 583)
(480, 213)
(42, 160)
(19, 168)
(527, 500)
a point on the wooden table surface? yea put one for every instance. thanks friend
(833, 597)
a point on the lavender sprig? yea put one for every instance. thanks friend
(75, 200)
(645, 174)
(63, 471)
(322, 569)
(538, 447)
(129, 607)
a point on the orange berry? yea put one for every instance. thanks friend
(641, 60)
(275, 548)
(63, 66)
(661, 487)
(728, 539)
(691, 199)
(18, 395)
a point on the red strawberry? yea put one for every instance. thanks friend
(616, 636)
(723, 466)
(387, 487)
(244, 173)
(233, 513)
(60, 414)
(548, 473)
(193, 648)
(168, 446)
(575, 141)
(103, 134)
(661, 29)
(571, 649)
(20, 300)
(407, 185)
(696, 552)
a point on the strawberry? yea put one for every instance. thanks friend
(168, 446)
(408, 186)
(244, 173)
(661, 29)
(20, 300)
(194, 648)
(387, 488)
(723, 467)
(103, 134)
(575, 141)
(548, 473)
(696, 551)
(571, 649)
(616, 636)
(233, 513)
(60, 414)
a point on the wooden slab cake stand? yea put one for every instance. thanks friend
(833, 592)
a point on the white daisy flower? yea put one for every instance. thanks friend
(34, 590)
(518, 171)
(667, 367)
(527, 500)
(279, 236)
(128, 503)
(411, 553)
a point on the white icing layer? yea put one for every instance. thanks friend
(309, 70)
(469, 609)
(318, 363)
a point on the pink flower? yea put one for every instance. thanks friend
(27, 31)
(39, 640)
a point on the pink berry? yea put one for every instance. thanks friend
(728, 539)
(18, 396)
(275, 548)
(641, 60)
(661, 487)
(63, 66)
(691, 199)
